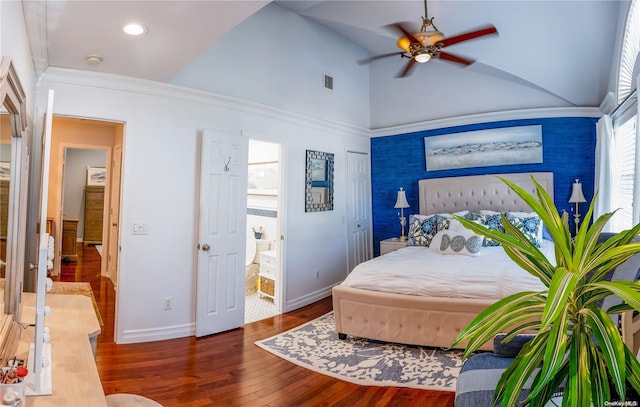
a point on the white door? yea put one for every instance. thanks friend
(113, 244)
(358, 209)
(222, 232)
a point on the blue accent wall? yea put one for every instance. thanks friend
(399, 161)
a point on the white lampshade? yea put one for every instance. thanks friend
(576, 193)
(401, 202)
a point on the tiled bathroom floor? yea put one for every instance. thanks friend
(257, 308)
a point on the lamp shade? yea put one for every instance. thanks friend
(576, 193)
(401, 202)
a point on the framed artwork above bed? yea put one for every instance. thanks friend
(483, 148)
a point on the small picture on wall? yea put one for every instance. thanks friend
(96, 176)
(5, 170)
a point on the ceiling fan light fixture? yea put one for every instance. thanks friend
(404, 43)
(429, 38)
(422, 57)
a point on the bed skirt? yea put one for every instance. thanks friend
(408, 319)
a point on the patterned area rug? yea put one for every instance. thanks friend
(315, 345)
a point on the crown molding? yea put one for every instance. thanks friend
(35, 18)
(487, 118)
(166, 90)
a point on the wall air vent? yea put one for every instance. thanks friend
(328, 82)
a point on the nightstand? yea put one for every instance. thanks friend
(389, 245)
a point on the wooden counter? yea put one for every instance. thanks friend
(72, 324)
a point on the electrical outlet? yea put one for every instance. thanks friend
(167, 303)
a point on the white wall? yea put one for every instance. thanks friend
(160, 171)
(278, 58)
(15, 44)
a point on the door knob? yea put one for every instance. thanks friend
(206, 247)
(114, 224)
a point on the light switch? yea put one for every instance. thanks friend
(140, 228)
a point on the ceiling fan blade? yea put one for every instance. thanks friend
(455, 58)
(407, 69)
(469, 35)
(376, 57)
(403, 29)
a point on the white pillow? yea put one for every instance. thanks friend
(464, 243)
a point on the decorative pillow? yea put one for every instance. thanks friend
(423, 228)
(457, 243)
(531, 215)
(530, 226)
(492, 222)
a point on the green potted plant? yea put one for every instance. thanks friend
(576, 343)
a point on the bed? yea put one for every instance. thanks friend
(424, 319)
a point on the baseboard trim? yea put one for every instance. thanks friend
(307, 299)
(156, 334)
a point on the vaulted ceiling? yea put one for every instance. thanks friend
(564, 49)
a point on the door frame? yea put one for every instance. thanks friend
(281, 241)
(60, 196)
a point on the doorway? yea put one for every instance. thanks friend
(82, 186)
(263, 279)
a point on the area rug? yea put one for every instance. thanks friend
(315, 346)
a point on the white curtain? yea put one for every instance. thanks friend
(605, 170)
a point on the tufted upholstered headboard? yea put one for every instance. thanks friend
(476, 192)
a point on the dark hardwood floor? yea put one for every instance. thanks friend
(226, 369)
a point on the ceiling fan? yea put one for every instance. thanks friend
(427, 44)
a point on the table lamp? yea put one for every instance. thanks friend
(402, 203)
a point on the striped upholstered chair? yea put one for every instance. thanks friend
(480, 373)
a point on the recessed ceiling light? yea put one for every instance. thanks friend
(135, 29)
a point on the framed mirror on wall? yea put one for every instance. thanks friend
(14, 142)
(319, 181)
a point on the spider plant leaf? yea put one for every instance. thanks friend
(578, 385)
(550, 389)
(495, 311)
(548, 213)
(562, 285)
(628, 291)
(537, 266)
(524, 369)
(611, 346)
(554, 355)
(509, 318)
(633, 369)
(600, 379)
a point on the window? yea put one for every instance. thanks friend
(624, 130)
(625, 121)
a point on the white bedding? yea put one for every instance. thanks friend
(416, 270)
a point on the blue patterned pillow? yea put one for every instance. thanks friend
(457, 242)
(528, 225)
(422, 229)
(492, 222)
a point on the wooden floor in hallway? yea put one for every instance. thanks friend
(225, 369)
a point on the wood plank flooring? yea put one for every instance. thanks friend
(225, 369)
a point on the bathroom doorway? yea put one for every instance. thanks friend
(263, 279)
